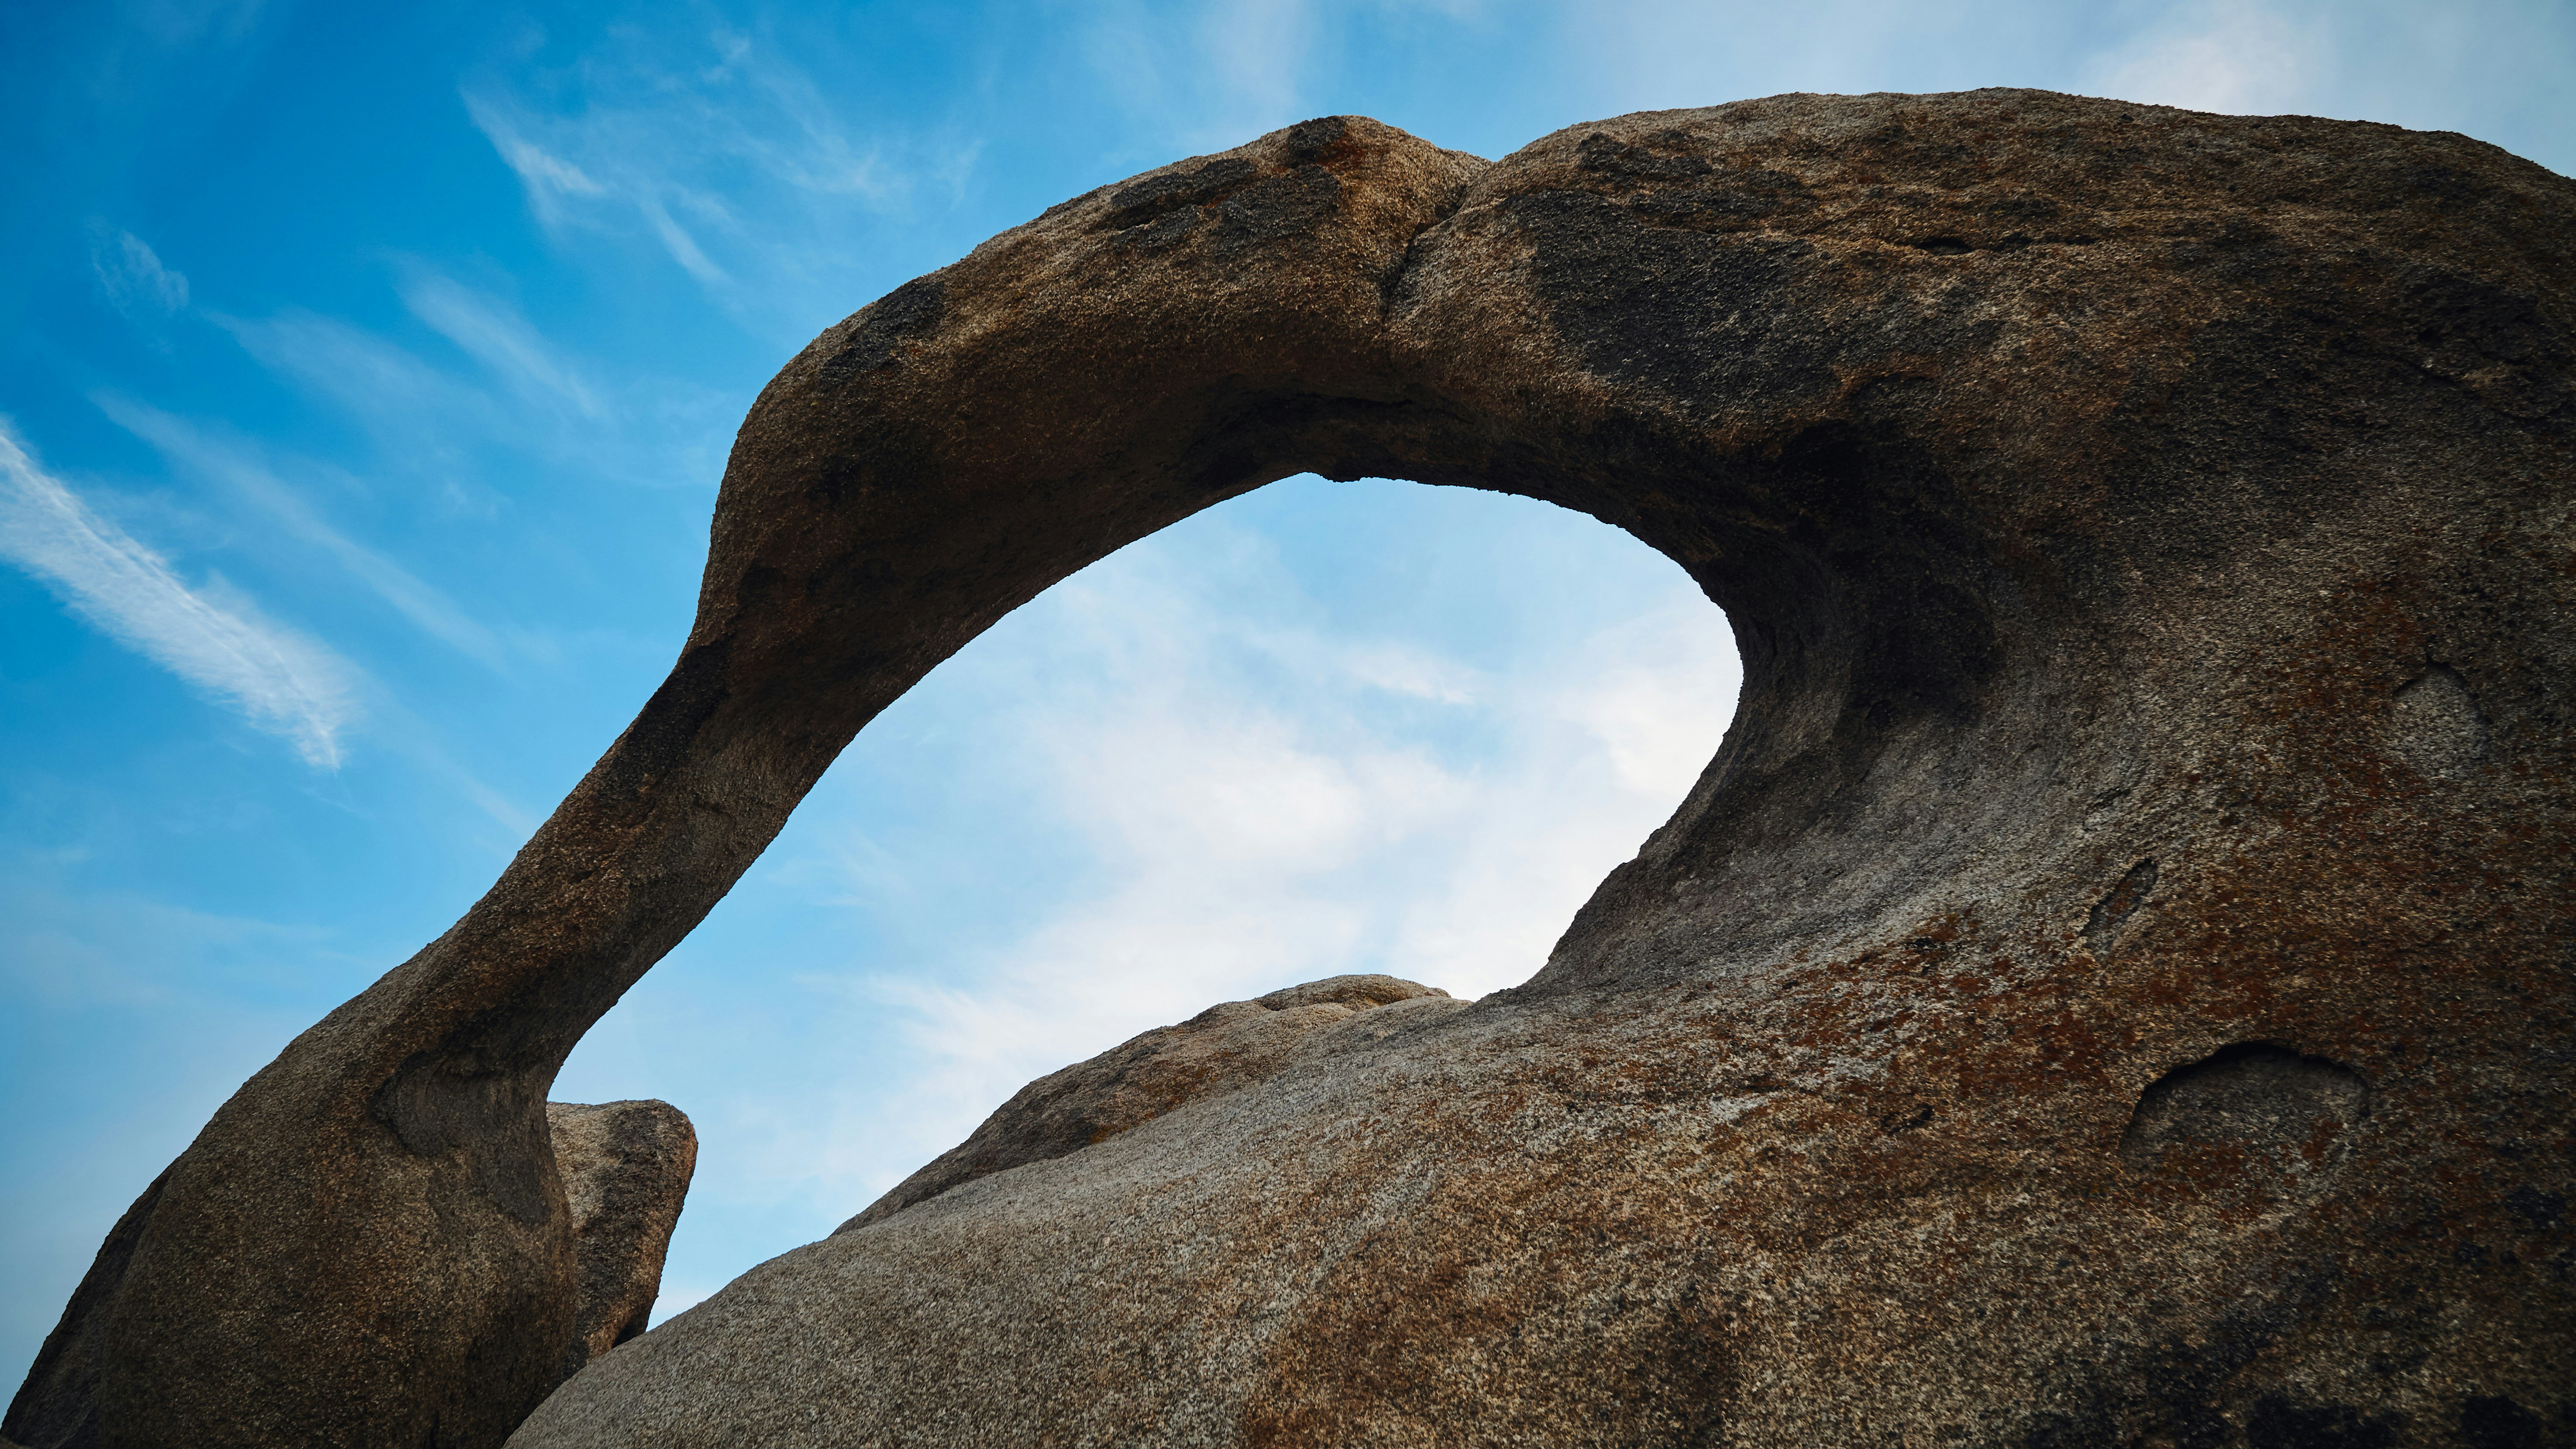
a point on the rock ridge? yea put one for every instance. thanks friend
(1222, 1049)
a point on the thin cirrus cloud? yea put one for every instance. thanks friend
(522, 395)
(495, 335)
(281, 681)
(557, 187)
(1232, 71)
(403, 400)
(132, 276)
(237, 466)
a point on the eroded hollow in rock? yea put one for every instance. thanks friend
(2252, 1114)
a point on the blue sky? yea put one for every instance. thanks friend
(365, 377)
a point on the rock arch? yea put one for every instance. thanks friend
(2083, 481)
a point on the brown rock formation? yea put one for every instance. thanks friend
(2112, 983)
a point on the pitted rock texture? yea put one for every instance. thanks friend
(626, 1169)
(1220, 1050)
(2090, 487)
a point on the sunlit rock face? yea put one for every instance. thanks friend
(2112, 985)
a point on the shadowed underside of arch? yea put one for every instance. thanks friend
(2092, 489)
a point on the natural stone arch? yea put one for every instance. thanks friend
(2083, 482)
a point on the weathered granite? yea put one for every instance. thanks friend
(2146, 536)
(626, 1169)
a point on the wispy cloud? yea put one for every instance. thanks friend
(1208, 74)
(283, 682)
(379, 382)
(421, 418)
(494, 334)
(238, 466)
(68, 949)
(132, 276)
(721, 149)
(180, 24)
(548, 178)
(439, 421)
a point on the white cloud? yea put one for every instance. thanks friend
(238, 467)
(421, 419)
(69, 950)
(2236, 59)
(283, 682)
(181, 24)
(1206, 76)
(546, 176)
(130, 273)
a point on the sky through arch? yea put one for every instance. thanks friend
(1323, 728)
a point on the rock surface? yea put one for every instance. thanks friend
(2146, 536)
(626, 1169)
(1219, 1050)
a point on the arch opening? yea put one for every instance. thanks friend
(1323, 728)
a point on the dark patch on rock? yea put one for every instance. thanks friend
(438, 1106)
(1325, 139)
(2544, 1211)
(1276, 207)
(2492, 1421)
(2280, 1422)
(1664, 157)
(1694, 316)
(1907, 1121)
(875, 338)
(1144, 201)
